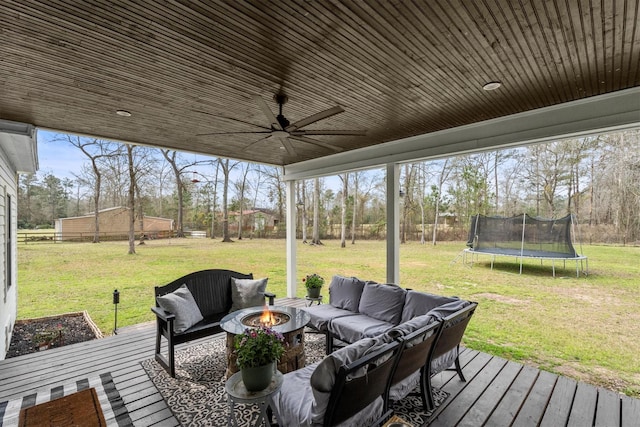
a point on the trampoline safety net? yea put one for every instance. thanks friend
(522, 235)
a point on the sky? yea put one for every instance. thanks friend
(59, 158)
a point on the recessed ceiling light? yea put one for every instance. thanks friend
(492, 86)
(123, 113)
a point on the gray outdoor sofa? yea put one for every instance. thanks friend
(366, 317)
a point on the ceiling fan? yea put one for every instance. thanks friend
(288, 133)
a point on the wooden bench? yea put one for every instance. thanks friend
(211, 289)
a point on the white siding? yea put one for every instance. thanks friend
(8, 289)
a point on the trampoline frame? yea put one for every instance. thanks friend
(582, 263)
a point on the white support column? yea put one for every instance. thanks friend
(393, 223)
(291, 239)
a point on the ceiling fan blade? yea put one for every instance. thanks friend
(302, 132)
(314, 118)
(267, 112)
(287, 145)
(317, 143)
(253, 144)
(232, 133)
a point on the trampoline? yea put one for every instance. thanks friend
(523, 237)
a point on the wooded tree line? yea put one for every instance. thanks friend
(596, 178)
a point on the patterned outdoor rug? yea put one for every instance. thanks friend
(113, 408)
(196, 395)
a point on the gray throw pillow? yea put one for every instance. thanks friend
(345, 292)
(247, 293)
(411, 325)
(382, 302)
(181, 304)
(448, 309)
(324, 376)
(419, 303)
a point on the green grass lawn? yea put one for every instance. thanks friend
(586, 328)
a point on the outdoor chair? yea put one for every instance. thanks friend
(353, 397)
(414, 364)
(447, 346)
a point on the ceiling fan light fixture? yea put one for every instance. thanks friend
(123, 113)
(492, 85)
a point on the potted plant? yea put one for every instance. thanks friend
(313, 283)
(257, 351)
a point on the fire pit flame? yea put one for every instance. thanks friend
(266, 319)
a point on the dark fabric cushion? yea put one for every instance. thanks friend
(382, 302)
(448, 309)
(419, 303)
(181, 304)
(412, 325)
(345, 292)
(322, 314)
(247, 293)
(352, 328)
(324, 376)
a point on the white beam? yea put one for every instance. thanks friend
(291, 239)
(610, 112)
(393, 223)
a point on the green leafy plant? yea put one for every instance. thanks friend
(258, 347)
(313, 281)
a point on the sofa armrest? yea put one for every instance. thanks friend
(163, 315)
(271, 297)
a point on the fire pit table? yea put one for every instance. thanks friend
(289, 321)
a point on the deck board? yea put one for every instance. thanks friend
(497, 392)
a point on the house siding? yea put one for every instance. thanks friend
(8, 275)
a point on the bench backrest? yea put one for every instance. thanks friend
(211, 289)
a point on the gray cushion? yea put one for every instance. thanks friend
(443, 362)
(448, 309)
(412, 325)
(323, 379)
(382, 302)
(352, 328)
(324, 376)
(401, 389)
(419, 303)
(181, 304)
(247, 293)
(297, 404)
(345, 292)
(294, 403)
(322, 314)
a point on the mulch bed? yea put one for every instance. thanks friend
(65, 329)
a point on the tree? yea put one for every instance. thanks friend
(315, 239)
(173, 159)
(302, 197)
(241, 185)
(343, 204)
(226, 168)
(442, 178)
(96, 151)
(131, 200)
(354, 211)
(275, 188)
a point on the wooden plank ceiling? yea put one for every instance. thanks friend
(188, 71)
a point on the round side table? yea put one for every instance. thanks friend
(311, 300)
(237, 393)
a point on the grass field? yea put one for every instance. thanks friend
(586, 328)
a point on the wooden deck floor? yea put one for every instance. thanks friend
(497, 392)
